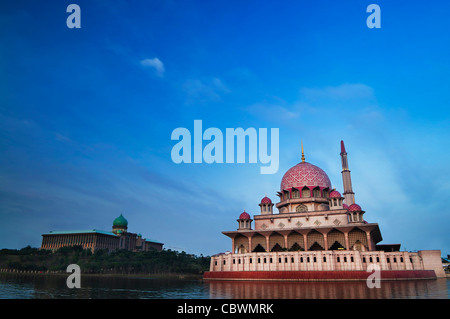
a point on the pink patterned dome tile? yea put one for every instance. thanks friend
(305, 174)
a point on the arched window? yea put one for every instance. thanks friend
(315, 240)
(301, 208)
(336, 240)
(295, 241)
(258, 243)
(357, 240)
(295, 193)
(306, 192)
(276, 242)
(316, 192)
(241, 244)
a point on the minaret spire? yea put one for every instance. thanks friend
(303, 153)
(346, 178)
(342, 147)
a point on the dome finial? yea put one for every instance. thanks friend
(303, 153)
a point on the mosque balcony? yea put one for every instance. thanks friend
(294, 214)
(301, 200)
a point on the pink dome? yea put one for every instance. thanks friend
(266, 200)
(244, 215)
(354, 208)
(305, 174)
(335, 194)
(345, 206)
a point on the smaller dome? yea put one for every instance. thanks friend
(345, 206)
(335, 194)
(354, 208)
(244, 215)
(266, 200)
(120, 221)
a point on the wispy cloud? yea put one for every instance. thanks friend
(204, 90)
(280, 111)
(346, 91)
(155, 64)
(349, 100)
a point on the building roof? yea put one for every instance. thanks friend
(354, 208)
(244, 215)
(153, 241)
(266, 200)
(335, 194)
(88, 231)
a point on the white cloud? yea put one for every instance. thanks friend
(155, 64)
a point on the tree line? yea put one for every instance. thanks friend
(102, 261)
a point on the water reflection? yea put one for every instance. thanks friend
(328, 290)
(100, 287)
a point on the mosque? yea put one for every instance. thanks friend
(95, 239)
(317, 234)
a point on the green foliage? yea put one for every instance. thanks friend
(28, 250)
(101, 261)
(151, 262)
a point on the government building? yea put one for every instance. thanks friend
(317, 233)
(94, 239)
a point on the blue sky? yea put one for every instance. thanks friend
(86, 114)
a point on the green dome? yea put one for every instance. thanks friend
(120, 221)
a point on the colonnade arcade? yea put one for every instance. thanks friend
(346, 238)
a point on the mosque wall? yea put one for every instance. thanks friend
(327, 261)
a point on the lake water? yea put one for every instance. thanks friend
(20, 286)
